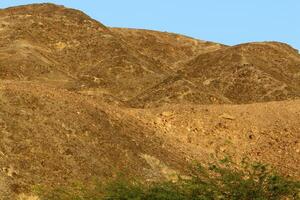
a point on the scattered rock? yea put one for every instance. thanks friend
(10, 171)
(166, 114)
(227, 116)
(207, 82)
(161, 167)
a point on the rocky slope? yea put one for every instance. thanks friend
(169, 49)
(51, 136)
(80, 100)
(249, 73)
(56, 44)
(246, 73)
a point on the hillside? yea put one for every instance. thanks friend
(80, 100)
(68, 47)
(249, 73)
(246, 73)
(169, 49)
(52, 136)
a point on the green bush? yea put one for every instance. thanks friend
(225, 180)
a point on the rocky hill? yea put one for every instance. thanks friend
(80, 100)
(169, 49)
(248, 73)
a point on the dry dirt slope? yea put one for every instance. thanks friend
(170, 49)
(268, 132)
(55, 44)
(59, 45)
(52, 137)
(79, 100)
(66, 48)
(246, 73)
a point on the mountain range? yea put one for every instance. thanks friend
(79, 100)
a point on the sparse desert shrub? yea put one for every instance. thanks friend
(225, 180)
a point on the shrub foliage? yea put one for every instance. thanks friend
(222, 181)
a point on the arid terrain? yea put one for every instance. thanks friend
(80, 100)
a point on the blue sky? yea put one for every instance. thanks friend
(225, 21)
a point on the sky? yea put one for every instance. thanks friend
(225, 21)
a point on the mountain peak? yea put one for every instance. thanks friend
(47, 10)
